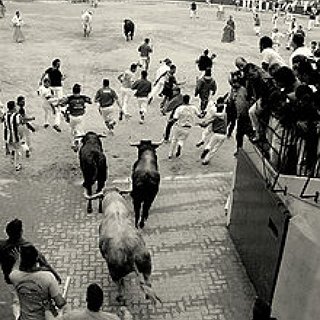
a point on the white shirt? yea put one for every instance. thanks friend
(45, 92)
(186, 115)
(17, 21)
(162, 70)
(301, 51)
(270, 56)
(86, 17)
(127, 79)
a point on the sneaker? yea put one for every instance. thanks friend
(178, 153)
(205, 162)
(55, 127)
(18, 167)
(166, 141)
(199, 144)
(120, 115)
(46, 125)
(28, 154)
(204, 153)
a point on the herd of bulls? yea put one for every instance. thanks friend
(120, 242)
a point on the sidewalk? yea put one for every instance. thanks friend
(197, 272)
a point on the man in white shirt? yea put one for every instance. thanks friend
(86, 18)
(93, 311)
(160, 78)
(299, 48)
(185, 117)
(268, 54)
(126, 79)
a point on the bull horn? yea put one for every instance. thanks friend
(79, 136)
(122, 192)
(102, 136)
(95, 196)
(134, 144)
(150, 293)
(158, 143)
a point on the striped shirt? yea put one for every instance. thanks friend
(11, 124)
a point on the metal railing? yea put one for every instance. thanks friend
(291, 152)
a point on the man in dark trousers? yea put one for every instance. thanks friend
(173, 104)
(205, 62)
(14, 242)
(128, 29)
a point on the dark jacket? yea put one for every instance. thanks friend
(204, 86)
(204, 63)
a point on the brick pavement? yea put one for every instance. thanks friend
(197, 272)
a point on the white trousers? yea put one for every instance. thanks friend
(57, 93)
(15, 301)
(125, 95)
(157, 89)
(142, 104)
(215, 141)
(75, 127)
(179, 136)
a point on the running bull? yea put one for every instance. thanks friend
(122, 245)
(128, 29)
(145, 180)
(93, 164)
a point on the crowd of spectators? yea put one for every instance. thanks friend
(278, 107)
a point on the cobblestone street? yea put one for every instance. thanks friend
(197, 272)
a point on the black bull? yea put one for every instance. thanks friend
(128, 29)
(93, 164)
(145, 180)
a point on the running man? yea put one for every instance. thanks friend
(143, 88)
(86, 18)
(184, 117)
(160, 78)
(55, 77)
(25, 127)
(145, 49)
(126, 80)
(76, 106)
(12, 120)
(106, 98)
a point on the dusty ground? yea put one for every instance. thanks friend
(54, 29)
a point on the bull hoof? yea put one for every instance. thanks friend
(89, 210)
(119, 298)
(141, 224)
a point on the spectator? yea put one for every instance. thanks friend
(93, 311)
(205, 86)
(36, 288)
(313, 46)
(7, 258)
(312, 17)
(268, 54)
(299, 48)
